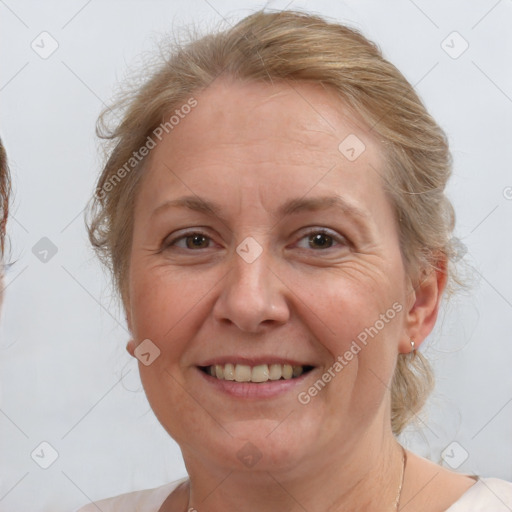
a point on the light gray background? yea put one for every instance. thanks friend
(65, 375)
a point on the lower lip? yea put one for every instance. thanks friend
(246, 390)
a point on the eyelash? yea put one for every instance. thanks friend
(339, 239)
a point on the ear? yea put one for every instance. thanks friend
(131, 346)
(423, 306)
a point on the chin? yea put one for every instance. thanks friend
(253, 445)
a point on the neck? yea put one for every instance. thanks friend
(364, 476)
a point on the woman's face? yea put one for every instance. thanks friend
(263, 236)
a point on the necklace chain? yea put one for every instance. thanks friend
(399, 494)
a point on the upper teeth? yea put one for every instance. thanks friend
(260, 373)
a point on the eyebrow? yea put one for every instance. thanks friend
(290, 207)
(322, 203)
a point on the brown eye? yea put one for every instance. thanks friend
(320, 241)
(192, 240)
(197, 241)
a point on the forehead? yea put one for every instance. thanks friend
(262, 137)
(278, 114)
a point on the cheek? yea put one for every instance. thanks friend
(358, 322)
(167, 304)
(346, 304)
(167, 308)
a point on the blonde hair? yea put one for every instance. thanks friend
(295, 46)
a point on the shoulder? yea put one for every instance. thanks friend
(148, 500)
(486, 494)
(433, 487)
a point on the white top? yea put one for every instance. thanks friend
(486, 495)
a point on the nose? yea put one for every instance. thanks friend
(253, 296)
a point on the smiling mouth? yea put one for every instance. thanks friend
(257, 374)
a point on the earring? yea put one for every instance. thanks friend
(413, 345)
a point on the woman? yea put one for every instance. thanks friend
(273, 214)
